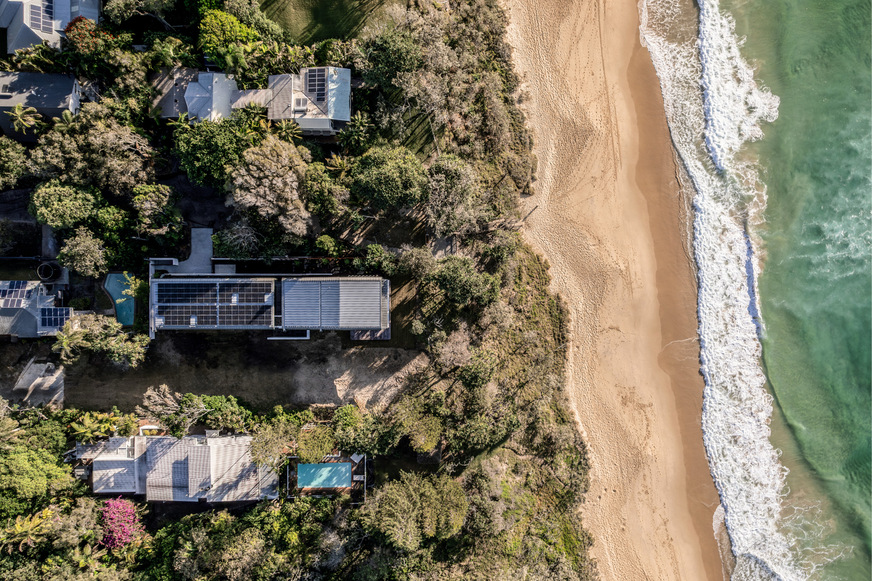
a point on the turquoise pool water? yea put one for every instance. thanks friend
(332, 475)
(115, 286)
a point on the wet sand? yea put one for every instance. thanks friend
(609, 216)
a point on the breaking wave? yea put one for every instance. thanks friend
(714, 106)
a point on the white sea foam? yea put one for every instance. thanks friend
(734, 104)
(714, 106)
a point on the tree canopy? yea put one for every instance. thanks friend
(267, 181)
(415, 509)
(63, 206)
(218, 30)
(100, 334)
(84, 253)
(463, 284)
(208, 149)
(12, 162)
(95, 150)
(28, 475)
(453, 205)
(387, 178)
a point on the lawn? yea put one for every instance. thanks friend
(314, 20)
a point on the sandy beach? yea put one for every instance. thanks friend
(609, 217)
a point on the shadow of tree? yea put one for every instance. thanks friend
(315, 20)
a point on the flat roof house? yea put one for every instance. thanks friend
(318, 99)
(49, 94)
(305, 303)
(27, 310)
(29, 22)
(191, 469)
(201, 294)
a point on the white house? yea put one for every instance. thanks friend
(318, 99)
(29, 22)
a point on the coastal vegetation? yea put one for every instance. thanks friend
(438, 140)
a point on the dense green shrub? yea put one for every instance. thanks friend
(225, 413)
(207, 149)
(385, 178)
(156, 211)
(315, 443)
(12, 158)
(323, 196)
(416, 509)
(389, 54)
(377, 260)
(100, 334)
(28, 478)
(359, 431)
(219, 30)
(63, 206)
(463, 284)
(84, 253)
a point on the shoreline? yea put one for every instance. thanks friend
(609, 216)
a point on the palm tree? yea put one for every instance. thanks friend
(69, 340)
(339, 164)
(27, 530)
(355, 137)
(65, 122)
(181, 123)
(87, 558)
(23, 118)
(92, 426)
(288, 131)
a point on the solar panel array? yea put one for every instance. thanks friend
(42, 15)
(14, 295)
(54, 317)
(316, 83)
(238, 303)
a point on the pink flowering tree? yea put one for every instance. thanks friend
(121, 524)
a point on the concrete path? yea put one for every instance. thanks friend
(200, 260)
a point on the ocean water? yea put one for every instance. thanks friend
(816, 281)
(773, 134)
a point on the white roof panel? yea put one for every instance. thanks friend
(117, 475)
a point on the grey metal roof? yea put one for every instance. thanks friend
(336, 303)
(209, 97)
(114, 475)
(39, 90)
(240, 99)
(214, 469)
(167, 464)
(281, 104)
(171, 85)
(293, 97)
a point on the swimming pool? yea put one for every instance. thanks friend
(327, 475)
(115, 285)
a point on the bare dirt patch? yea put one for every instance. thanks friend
(246, 365)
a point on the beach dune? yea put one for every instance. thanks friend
(609, 216)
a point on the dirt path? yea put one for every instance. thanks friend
(609, 218)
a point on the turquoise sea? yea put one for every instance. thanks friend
(815, 288)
